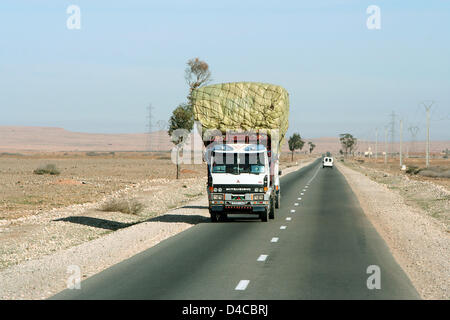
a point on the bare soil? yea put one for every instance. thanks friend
(393, 167)
(83, 178)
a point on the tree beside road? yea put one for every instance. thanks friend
(348, 142)
(295, 142)
(181, 122)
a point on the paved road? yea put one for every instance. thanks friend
(319, 251)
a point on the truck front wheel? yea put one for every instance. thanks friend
(272, 208)
(278, 200)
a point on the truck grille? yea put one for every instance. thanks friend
(236, 189)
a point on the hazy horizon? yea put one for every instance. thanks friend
(306, 138)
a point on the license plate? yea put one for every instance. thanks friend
(237, 202)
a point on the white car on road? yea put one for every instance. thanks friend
(327, 162)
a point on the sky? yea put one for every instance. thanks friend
(340, 75)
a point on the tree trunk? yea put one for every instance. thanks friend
(292, 156)
(178, 165)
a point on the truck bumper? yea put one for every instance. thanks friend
(238, 209)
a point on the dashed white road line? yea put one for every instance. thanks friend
(242, 285)
(262, 257)
(296, 204)
(302, 194)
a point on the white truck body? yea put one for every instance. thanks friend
(242, 178)
(327, 162)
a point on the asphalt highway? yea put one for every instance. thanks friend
(319, 246)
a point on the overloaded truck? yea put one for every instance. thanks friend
(243, 125)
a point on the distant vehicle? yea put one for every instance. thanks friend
(327, 162)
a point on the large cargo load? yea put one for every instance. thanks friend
(246, 106)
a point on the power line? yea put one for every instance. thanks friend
(392, 131)
(376, 144)
(413, 130)
(385, 145)
(428, 108)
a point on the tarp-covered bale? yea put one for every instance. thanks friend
(248, 106)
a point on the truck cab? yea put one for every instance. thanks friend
(241, 179)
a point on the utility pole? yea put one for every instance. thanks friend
(376, 144)
(413, 130)
(428, 108)
(401, 138)
(385, 145)
(392, 123)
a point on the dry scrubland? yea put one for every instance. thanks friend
(94, 194)
(438, 172)
(84, 177)
(429, 189)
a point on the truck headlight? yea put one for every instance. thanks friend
(217, 196)
(258, 197)
(215, 190)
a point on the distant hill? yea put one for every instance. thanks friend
(58, 139)
(18, 138)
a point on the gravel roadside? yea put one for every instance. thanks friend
(419, 243)
(45, 272)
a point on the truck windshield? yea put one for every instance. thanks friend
(237, 163)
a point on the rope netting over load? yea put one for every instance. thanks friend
(242, 106)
